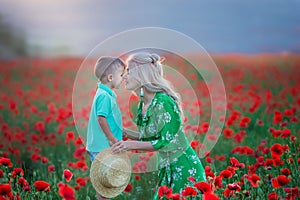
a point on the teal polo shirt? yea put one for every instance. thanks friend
(104, 104)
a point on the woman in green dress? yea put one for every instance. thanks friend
(159, 121)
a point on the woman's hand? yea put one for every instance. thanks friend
(121, 146)
(113, 141)
(130, 134)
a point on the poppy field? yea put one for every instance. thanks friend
(256, 157)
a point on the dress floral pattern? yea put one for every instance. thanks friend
(162, 126)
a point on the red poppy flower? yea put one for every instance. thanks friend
(5, 189)
(42, 186)
(40, 127)
(276, 150)
(254, 179)
(175, 196)
(210, 196)
(207, 169)
(189, 191)
(66, 192)
(165, 191)
(235, 163)
(79, 141)
(211, 137)
(17, 172)
(290, 160)
(203, 187)
(209, 174)
(51, 108)
(128, 188)
(137, 177)
(77, 187)
(278, 161)
(277, 118)
(81, 165)
(249, 151)
(269, 162)
(22, 181)
(293, 193)
(279, 181)
(227, 192)
(286, 133)
(79, 153)
(44, 160)
(234, 186)
(51, 168)
(140, 166)
(244, 122)
(68, 175)
(285, 171)
(227, 132)
(81, 181)
(12, 105)
(6, 162)
(283, 124)
(275, 133)
(1, 173)
(259, 123)
(260, 160)
(209, 159)
(26, 188)
(273, 196)
(221, 158)
(204, 127)
(145, 158)
(35, 157)
(195, 144)
(226, 174)
(69, 137)
(218, 181)
(192, 179)
(288, 112)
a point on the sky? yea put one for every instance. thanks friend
(75, 27)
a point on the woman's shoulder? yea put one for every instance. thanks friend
(165, 99)
(163, 96)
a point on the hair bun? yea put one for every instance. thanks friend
(154, 57)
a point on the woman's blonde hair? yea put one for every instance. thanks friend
(149, 72)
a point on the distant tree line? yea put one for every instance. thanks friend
(12, 41)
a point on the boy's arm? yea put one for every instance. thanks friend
(105, 128)
(130, 134)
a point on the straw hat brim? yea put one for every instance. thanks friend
(94, 174)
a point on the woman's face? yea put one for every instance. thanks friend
(131, 82)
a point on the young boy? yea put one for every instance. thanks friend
(105, 122)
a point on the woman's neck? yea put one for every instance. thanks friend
(148, 96)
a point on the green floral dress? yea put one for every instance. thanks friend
(162, 126)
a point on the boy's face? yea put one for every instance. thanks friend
(117, 77)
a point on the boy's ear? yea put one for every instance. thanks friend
(109, 77)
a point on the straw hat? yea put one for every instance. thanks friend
(110, 173)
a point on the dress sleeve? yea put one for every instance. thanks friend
(103, 105)
(166, 119)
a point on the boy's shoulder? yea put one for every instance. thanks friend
(102, 94)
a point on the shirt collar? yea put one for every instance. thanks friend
(107, 89)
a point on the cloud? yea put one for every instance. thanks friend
(239, 26)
